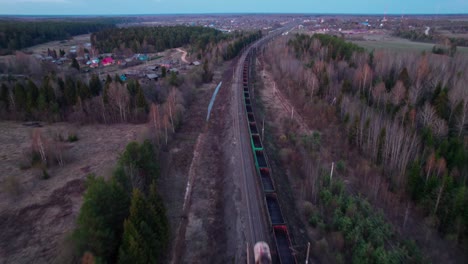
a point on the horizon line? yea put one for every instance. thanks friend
(235, 13)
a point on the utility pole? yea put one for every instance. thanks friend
(292, 113)
(308, 250)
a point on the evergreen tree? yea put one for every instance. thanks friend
(161, 219)
(75, 64)
(141, 100)
(404, 77)
(95, 85)
(173, 80)
(19, 96)
(69, 92)
(117, 79)
(442, 104)
(132, 87)
(132, 249)
(32, 94)
(108, 79)
(139, 161)
(5, 97)
(42, 103)
(83, 90)
(145, 235)
(99, 227)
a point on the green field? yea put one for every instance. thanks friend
(396, 44)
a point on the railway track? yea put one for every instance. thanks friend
(264, 217)
(277, 226)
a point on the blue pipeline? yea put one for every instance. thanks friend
(212, 101)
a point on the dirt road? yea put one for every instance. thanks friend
(184, 55)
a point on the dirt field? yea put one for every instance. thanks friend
(35, 223)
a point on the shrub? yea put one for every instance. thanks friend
(314, 219)
(45, 174)
(72, 138)
(341, 166)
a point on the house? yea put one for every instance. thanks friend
(152, 76)
(142, 57)
(107, 61)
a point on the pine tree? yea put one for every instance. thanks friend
(75, 64)
(42, 103)
(95, 85)
(141, 100)
(83, 90)
(99, 226)
(145, 235)
(161, 218)
(131, 250)
(69, 92)
(404, 77)
(32, 94)
(108, 79)
(134, 247)
(20, 97)
(5, 97)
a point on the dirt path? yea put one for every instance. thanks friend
(279, 103)
(184, 55)
(198, 192)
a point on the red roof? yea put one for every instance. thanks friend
(107, 60)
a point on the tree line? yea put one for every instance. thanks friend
(68, 98)
(155, 39)
(21, 34)
(236, 47)
(123, 220)
(406, 112)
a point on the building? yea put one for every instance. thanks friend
(152, 76)
(107, 61)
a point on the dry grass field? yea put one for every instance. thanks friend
(37, 214)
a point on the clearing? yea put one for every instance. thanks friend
(398, 44)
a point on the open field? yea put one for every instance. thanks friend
(57, 45)
(398, 44)
(37, 214)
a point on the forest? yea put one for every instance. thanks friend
(123, 220)
(405, 113)
(68, 98)
(16, 35)
(156, 39)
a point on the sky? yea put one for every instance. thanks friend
(118, 7)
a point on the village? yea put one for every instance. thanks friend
(127, 65)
